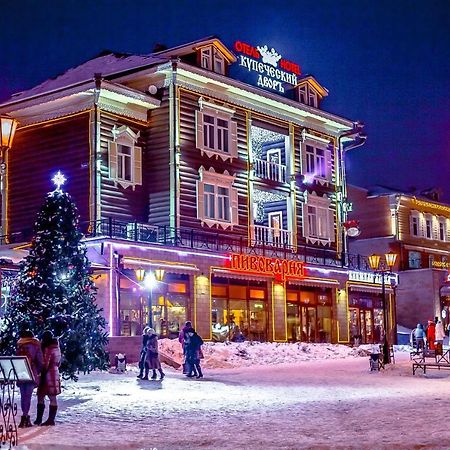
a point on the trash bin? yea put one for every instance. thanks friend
(438, 348)
(373, 361)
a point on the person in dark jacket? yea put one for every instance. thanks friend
(50, 384)
(30, 347)
(193, 354)
(152, 356)
(145, 338)
(183, 338)
(420, 336)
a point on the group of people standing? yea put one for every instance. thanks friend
(44, 357)
(149, 358)
(431, 337)
(192, 353)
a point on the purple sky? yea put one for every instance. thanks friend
(385, 63)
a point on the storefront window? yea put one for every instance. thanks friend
(239, 310)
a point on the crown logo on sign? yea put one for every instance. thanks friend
(269, 56)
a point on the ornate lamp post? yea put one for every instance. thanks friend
(384, 269)
(8, 127)
(150, 280)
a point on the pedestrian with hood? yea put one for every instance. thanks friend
(50, 384)
(183, 338)
(194, 354)
(419, 334)
(30, 347)
(152, 356)
(145, 338)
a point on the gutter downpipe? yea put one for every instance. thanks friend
(96, 172)
(355, 131)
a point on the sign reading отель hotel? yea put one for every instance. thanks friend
(273, 71)
(279, 268)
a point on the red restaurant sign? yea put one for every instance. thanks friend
(279, 268)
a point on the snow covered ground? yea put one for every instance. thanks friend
(332, 401)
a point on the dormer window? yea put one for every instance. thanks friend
(308, 96)
(211, 59)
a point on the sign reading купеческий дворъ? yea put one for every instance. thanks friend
(273, 71)
(278, 268)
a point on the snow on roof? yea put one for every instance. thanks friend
(106, 64)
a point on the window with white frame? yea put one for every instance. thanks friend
(429, 227)
(217, 199)
(216, 133)
(415, 226)
(212, 59)
(318, 219)
(414, 260)
(125, 158)
(316, 161)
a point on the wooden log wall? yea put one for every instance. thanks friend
(38, 153)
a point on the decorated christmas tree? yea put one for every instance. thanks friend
(54, 290)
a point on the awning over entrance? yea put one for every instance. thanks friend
(368, 288)
(240, 276)
(182, 269)
(315, 282)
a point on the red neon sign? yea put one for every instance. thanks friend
(252, 52)
(281, 269)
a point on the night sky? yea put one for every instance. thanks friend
(385, 63)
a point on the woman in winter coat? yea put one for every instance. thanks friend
(30, 347)
(440, 333)
(183, 338)
(431, 334)
(50, 384)
(145, 338)
(193, 353)
(152, 356)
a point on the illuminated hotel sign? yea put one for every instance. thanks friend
(272, 70)
(279, 268)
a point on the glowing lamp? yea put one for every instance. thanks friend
(159, 274)
(140, 274)
(390, 259)
(150, 280)
(8, 127)
(374, 261)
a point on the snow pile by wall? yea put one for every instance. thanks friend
(244, 354)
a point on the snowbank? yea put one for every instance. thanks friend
(245, 354)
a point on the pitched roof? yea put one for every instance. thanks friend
(107, 64)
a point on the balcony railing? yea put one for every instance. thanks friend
(262, 235)
(270, 170)
(186, 238)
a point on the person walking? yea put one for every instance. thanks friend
(30, 347)
(419, 334)
(145, 338)
(50, 384)
(152, 356)
(183, 339)
(194, 354)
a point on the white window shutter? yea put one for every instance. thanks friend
(328, 163)
(200, 200)
(331, 225)
(233, 139)
(305, 220)
(112, 154)
(199, 140)
(137, 175)
(234, 206)
(303, 158)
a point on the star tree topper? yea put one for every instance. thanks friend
(58, 180)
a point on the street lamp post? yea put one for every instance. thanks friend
(8, 127)
(374, 262)
(150, 280)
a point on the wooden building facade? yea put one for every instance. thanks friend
(175, 164)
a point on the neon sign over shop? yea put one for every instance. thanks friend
(273, 71)
(281, 269)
